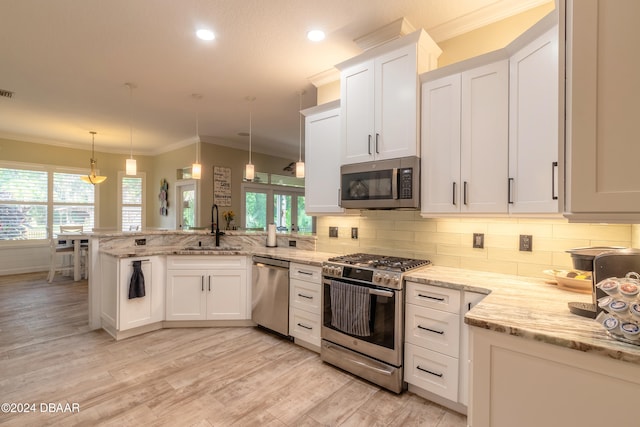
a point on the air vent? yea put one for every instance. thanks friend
(6, 93)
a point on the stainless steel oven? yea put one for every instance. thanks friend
(363, 316)
(383, 184)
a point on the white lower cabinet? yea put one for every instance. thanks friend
(436, 361)
(118, 312)
(207, 288)
(305, 287)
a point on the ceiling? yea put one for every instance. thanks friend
(67, 63)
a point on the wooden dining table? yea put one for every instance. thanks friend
(77, 239)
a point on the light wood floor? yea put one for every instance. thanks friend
(175, 377)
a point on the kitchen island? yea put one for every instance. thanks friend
(534, 363)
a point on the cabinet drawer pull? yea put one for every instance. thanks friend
(554, 165)
(305, 326)
(306, 273)
(435, 331)
(305, 296)
(430, 297)
(430, 372)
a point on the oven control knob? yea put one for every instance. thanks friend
(395, 280)
(377, 278)
(387, 279)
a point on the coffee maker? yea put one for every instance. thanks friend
(603, 262)
(613, 264)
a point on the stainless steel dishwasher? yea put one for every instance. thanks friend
(270, 294)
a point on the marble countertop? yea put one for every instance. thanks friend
(287, 254)
(529, 308)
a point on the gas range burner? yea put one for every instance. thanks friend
(381, 262)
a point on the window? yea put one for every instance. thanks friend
(286, 209)
(73, 201)
(36, 199)
(131, 196)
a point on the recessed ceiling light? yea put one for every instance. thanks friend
(315, 35)
(205, 34)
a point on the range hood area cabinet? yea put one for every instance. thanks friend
(380, 102)
(603, 89)
(322, 149)
(490, 130)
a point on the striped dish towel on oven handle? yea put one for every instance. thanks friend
(350, 308)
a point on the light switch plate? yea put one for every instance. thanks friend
(478, 240)
(333, 231)
(354, 232)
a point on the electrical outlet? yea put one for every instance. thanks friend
(292, 243)
(526, 242)
(141, 242)
(478, 240)
(333, 231)
(354, 232)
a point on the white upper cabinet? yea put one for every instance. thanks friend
(380, 99)
(603, 89)
(465, 138)
(322, 159)
(533, 126)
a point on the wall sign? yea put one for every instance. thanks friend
(222, 186)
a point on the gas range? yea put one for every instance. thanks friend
(379, 270)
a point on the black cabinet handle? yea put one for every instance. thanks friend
(431, 330)
(464, 193)
(369, 145)
(305, 296)
(209, 283)
(454, 193)
(509, 199)
(304, 326)
(305, 273)
(377, 137)
(202, 283)
(430, 372)
(554, 165)
(430, 297)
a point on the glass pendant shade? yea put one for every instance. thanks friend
(299, 169)
(196, 171)
(249, 172)
(131, 167)
(92, 178)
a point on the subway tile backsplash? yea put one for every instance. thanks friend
(449, 241)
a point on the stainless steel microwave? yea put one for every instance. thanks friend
(384, 184)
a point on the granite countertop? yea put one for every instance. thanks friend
(287, 254)
(529, 308)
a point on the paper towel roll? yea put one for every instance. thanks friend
(271, 236)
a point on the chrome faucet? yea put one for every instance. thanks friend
(215, 228)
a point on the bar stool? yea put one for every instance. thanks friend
(62, 256)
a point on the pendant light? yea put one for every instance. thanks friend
(300, 163)
(92, 178)
(249, 170)
(130, 165)
(196, 167)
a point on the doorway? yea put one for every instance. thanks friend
(186, 205)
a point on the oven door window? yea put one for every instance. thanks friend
(374, 185)
(347, 313)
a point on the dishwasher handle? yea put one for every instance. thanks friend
(270, 262)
